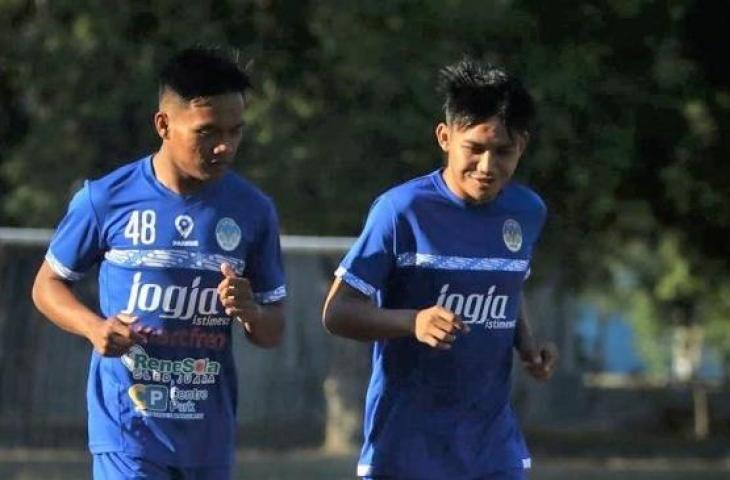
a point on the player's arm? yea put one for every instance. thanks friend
(55, 299)
(262, 324)
(349, 313)
(539, 359)
(268, 331)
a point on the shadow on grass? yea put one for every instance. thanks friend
(314, 465)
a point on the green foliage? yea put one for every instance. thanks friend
(654, 284)
(633, 94)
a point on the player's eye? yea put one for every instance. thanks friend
(505, 151)
(475, 150)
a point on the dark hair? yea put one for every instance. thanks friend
(203, 72)
(475, 92)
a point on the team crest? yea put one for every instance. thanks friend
(184, 225)
(512, 235)
(228, 234)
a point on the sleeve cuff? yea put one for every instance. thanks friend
(62, 270)
(356, 282)
(271, 296)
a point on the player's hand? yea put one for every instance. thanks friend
(115, 335)
(540, 361)
(237, 297)
(437, 327)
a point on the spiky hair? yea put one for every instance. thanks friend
(202, 72)
(475, 92)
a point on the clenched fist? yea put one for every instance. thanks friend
(115, 335)
(438, 327)
(237, 297)
(540, 361)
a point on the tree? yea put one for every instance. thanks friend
(629, 155)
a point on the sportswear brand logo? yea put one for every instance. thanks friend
(184, 225)
(479, 308)
(176, 302)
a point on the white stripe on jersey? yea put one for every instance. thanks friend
(62, 269)
(173, 259)
(271, 296)
(364, 470)
(355, 282)
(443, 262)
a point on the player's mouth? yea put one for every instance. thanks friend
(218, 163)
(484, 181)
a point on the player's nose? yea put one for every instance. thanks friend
(220, 149)
(226, 145)
(224, 148)
(485, 162)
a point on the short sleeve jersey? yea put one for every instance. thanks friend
(173, 399)
(434, 414)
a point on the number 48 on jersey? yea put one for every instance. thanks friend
(141, 227)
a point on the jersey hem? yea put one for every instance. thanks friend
(102, 448)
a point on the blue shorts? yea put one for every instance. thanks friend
(119, 466)
(510, 475)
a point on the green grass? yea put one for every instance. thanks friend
(47, 465)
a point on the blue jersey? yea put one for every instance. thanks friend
(435, 414)
(172, 400)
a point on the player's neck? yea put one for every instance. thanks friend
(171, 177)
(453, 185)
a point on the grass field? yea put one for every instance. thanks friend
(54, 465)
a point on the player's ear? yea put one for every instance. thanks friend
(162, 125)
(442, 136)
(522, 139)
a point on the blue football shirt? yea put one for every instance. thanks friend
(172, 400)
(433, 414)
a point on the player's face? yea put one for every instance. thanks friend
(480, 159)
(203, 135)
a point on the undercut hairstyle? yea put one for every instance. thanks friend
(475, 92)
(203, 72)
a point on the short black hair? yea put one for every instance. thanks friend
(203, 72)
(474, 92)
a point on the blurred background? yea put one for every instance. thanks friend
(631, 156)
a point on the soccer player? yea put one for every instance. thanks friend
(187, 251)
(435, 279)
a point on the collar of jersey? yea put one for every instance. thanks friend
(440, 183)
(149, 174)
